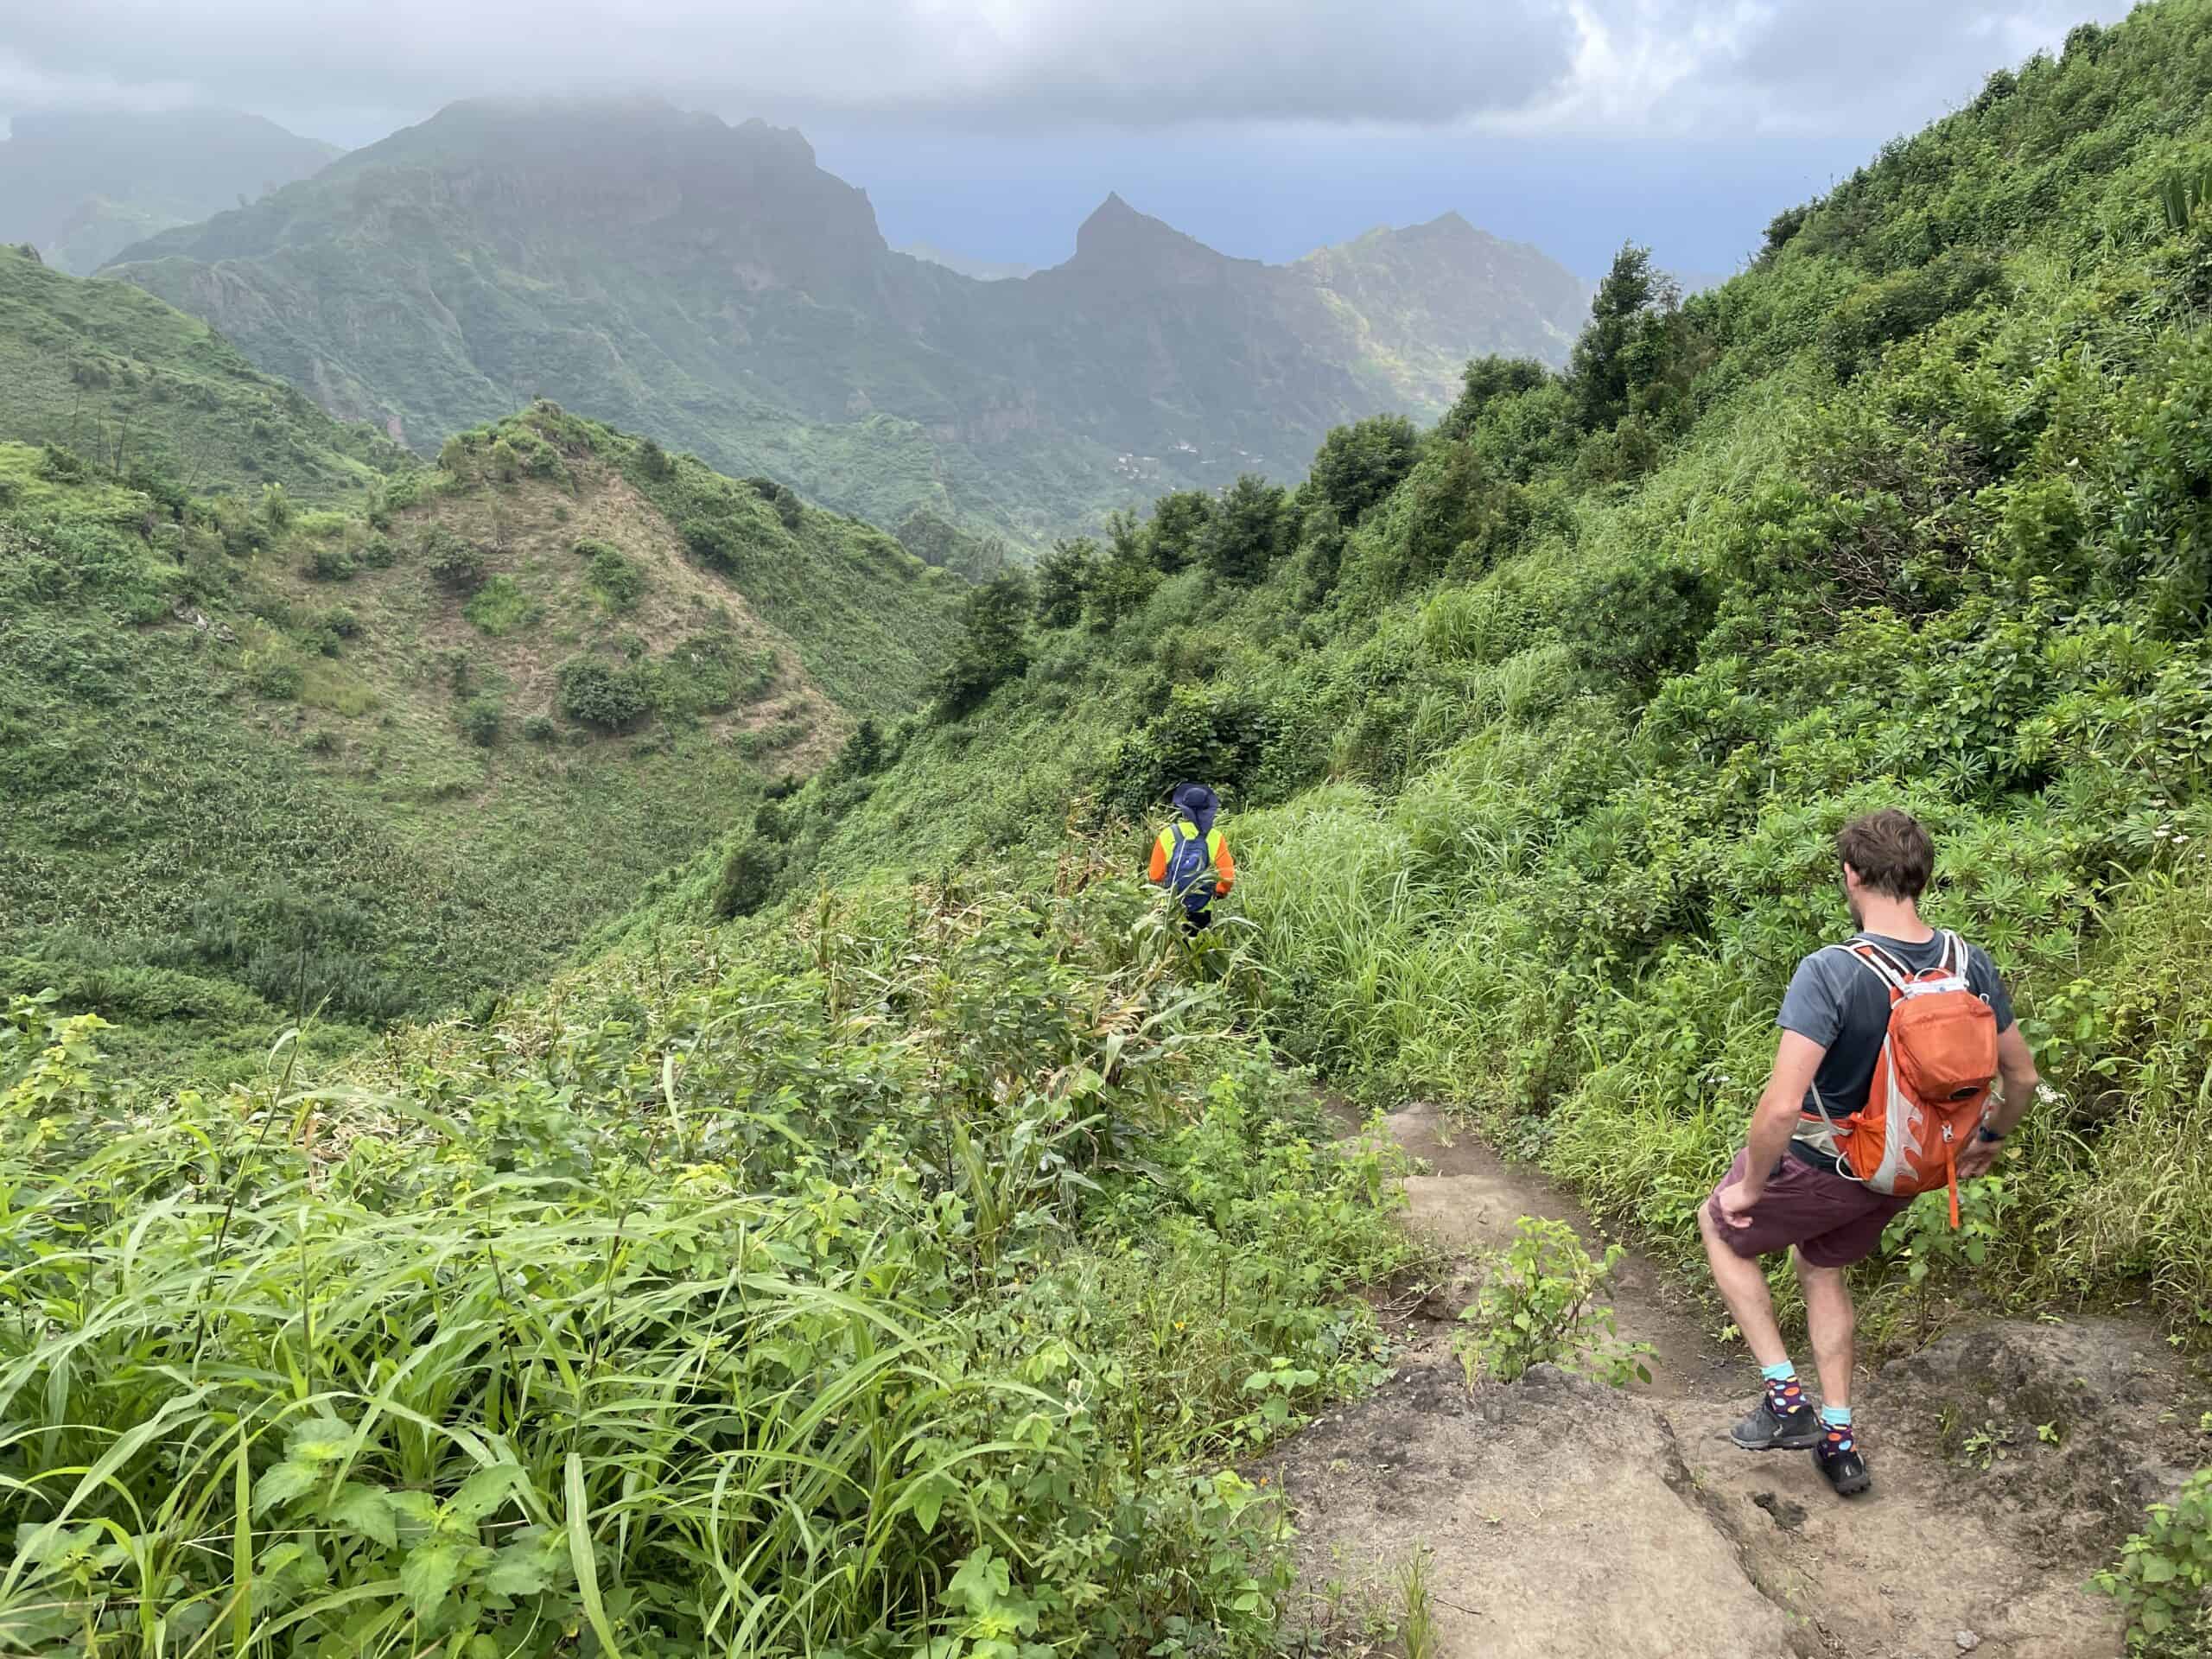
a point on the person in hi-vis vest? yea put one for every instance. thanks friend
(1190, 858)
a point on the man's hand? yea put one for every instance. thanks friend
(1979, 1158)
(1736, 1201)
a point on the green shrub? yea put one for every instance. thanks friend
(594, 692)
(331, 562)
(480, 720)
(453, 563)
(540, 728)
(2163, 1580)
(60, 465)
(1535, 1308)
(342, 622)
(1359, 465)
(748, 877)
(278, 678)
(713, 541)
(619, 580)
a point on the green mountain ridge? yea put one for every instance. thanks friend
(263, 763)
(711, 285)
(80, 185)
(108, 371)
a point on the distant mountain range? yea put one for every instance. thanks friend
(80, 186)
(710, 284)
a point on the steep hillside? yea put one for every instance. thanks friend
(712, 286)
(112, 372)
(81, 186)
(263, 762)
(1536, 727)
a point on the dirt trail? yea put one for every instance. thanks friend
(1561, 1516)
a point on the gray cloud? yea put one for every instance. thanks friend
(1143, 61)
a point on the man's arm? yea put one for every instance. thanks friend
(1225, 869)
(1796, 1057)
(1158, 872)
(2016, 1068)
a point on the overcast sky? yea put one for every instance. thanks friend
(1265, 127)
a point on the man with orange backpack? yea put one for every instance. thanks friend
(1882, 1089)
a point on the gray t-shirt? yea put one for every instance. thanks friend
(1839, 1003)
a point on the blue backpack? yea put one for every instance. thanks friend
(1189, 867)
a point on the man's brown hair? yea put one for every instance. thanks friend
(1890, 851)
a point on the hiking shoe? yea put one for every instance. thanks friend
(1837, 1457)
(1791, 1429)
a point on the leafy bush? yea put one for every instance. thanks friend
(787, 505)
(1245, 533)
(59, 465)
(619, 579)
(480, 720)
(2163, 1576)
(594, 692)
(277, 677)
(1535, 1308)
(332, 562)
(993, 649)
(748, 877)
(714, 541)
(539, 729)
(454, 563)
(1359, 465)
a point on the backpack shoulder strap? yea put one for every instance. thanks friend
(1875, 960)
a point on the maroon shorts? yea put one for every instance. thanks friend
(1831, 1221)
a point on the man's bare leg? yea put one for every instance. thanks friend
(1830, 1320)
(1742, 1286)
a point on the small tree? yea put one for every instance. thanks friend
(1178, 528)
(480, 720)
(1360, 464)
(748, 877)
(453, 563)
(1488, 380)
(993, 647)
(1246, 532)
(1627, 340)
(1064, 579)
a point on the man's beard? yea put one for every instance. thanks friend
(1851, 904)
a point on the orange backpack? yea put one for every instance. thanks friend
(1931, 1081)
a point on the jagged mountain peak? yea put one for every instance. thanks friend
(1119, 239)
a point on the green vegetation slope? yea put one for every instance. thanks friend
(1536, 727)
(263, 762)
(111, 372)
(713, 287)
(81, 185)
(901, 1268)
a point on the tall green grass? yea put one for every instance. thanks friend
(898, 1284)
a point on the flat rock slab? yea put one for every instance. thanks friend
(1558, 1513)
